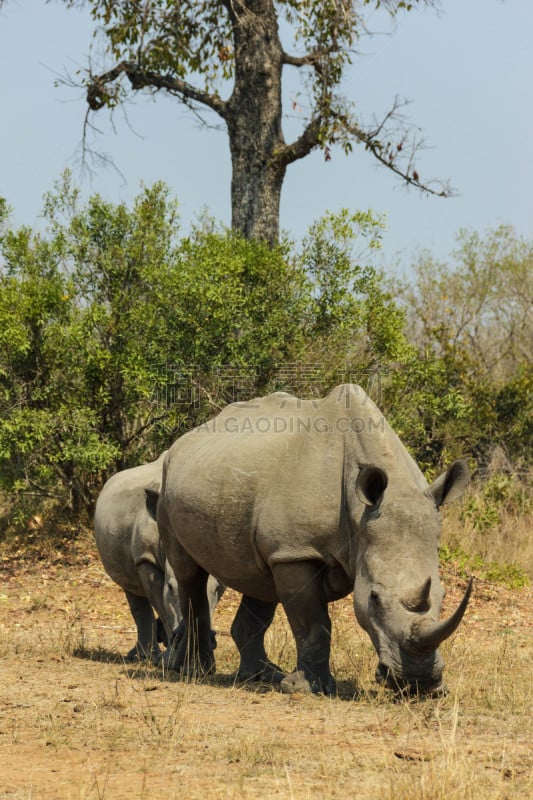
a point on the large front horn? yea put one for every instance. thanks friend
(425, 636)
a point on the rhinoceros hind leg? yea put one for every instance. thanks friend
(192, 651)
(248, 632)
(146, 647)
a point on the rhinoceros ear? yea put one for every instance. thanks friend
(451, 484)
(370, 485)
(152, 498)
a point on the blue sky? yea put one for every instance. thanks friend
(467, 70)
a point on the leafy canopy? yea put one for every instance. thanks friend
(118, 332)
(107, 316)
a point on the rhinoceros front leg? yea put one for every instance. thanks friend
(300, 590)
(146, 647)
(248, 632)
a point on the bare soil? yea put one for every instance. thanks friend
(77, 722)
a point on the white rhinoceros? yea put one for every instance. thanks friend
(303, 502)
(133, 556)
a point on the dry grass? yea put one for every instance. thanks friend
(76, 723)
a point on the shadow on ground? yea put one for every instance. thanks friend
(346, 690)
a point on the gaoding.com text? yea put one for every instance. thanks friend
(292, 424)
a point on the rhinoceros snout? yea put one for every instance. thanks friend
(431, 685)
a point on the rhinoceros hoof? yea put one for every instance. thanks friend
(137, 655)
(198, 670)
(186, 664)
(297, 682)
(268, 673)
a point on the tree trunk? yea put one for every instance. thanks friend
(253, 117)
(153, 55)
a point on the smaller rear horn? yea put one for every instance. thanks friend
(418, 599)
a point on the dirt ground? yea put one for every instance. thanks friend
(77, 722)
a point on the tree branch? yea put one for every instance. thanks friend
(310, 138)
(313, 59)
(389, 153)
(137, 433)
(301, 147)
(98, 94)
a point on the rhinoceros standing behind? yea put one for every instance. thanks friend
(133, 556)
(302, 502)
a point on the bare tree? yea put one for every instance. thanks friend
(227, 57)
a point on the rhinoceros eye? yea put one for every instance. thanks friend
(374, 596)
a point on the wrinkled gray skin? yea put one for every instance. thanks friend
(303, 502)
(133, 556)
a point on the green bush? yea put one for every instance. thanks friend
(509, 575)
(118, 333)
